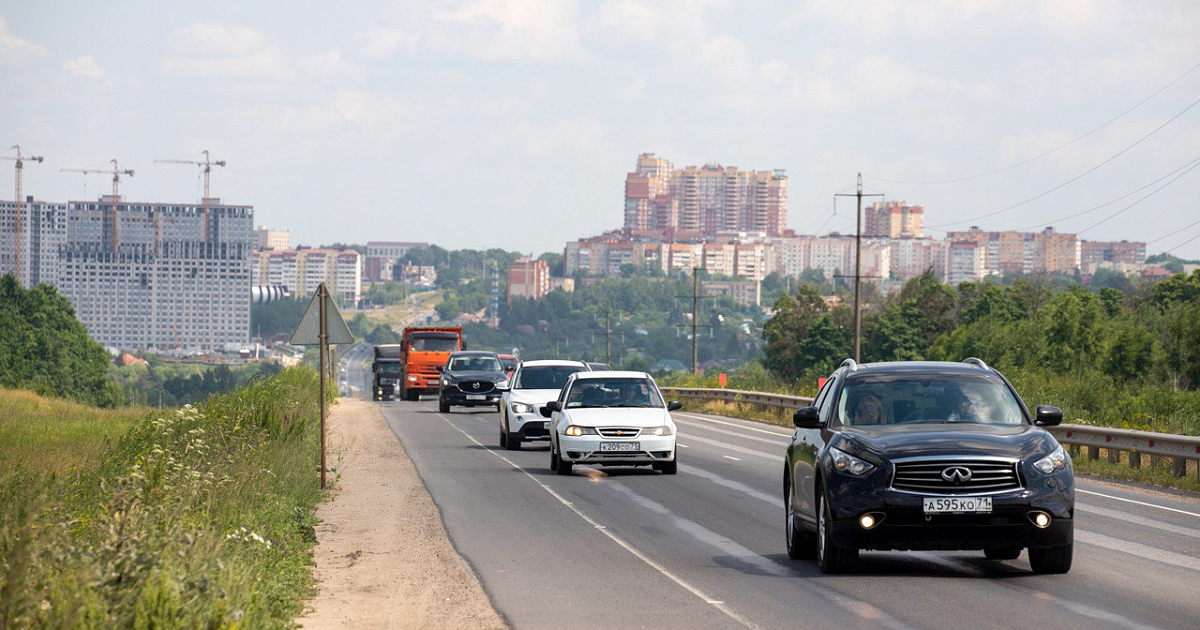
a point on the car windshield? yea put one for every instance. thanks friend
(435, 344)
(932, 398)
(386, 368)
(613, 392)
(475, 364)
(509, 364)
(545, 376)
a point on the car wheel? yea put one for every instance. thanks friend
(671, 467)
(514, 442)
(503, 438)
(553, 458)
(1002, 553)
(800, 544)
(413, 396)
(830, 557)
(1051, 559)
(560, 465)
(443, 406)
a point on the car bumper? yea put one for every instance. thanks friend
(459, 399)
(586, 450)
(529, 427)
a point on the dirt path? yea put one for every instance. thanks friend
(383, 558)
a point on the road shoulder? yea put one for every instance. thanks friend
(383, 558)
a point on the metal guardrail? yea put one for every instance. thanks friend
(1179, 448)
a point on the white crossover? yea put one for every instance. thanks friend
(533, 383)
(611, 419)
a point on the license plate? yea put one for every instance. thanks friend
(957, 505)
(476, 397)
(620, 447)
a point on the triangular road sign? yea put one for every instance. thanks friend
(308, 331)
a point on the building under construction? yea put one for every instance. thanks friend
(144, 275)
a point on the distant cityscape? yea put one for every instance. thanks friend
(171, 277)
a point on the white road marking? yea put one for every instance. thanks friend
(734, 424)
(715, 603)
(1134, 519)
(725, 446)
(682, 445)
(731, 457)
(779, 442)
(1137, 549)
(1161, 507)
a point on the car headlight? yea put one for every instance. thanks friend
(446, 381)
(1056, 460)
(522, 408)
(576, 431)
(663, 430)
(412, 378)
(846, 462)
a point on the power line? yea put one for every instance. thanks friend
(1149, 195)
(1077, 177)
(1109, 202)
(1054, 150)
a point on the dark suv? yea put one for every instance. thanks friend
(926, 456)
(471, 379)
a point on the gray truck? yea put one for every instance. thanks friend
(386, 372)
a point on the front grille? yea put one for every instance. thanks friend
(477, 387)
(619, 432)
(926, 476)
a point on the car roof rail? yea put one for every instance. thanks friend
(977, 361)
(851, 364)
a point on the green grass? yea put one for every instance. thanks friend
(39, 433)
(195, 518)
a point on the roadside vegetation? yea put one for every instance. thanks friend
(200, 517)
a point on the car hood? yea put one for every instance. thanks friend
(937, 439)
(618, 416)
(494, 377)
(533, 396)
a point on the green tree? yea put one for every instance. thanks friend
(1130, 357)
(1072, 329)
(898, 335)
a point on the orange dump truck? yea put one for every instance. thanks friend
(424, 349)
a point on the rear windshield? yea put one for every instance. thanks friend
(434, 344)
(613, 392)
(545, 376)
(475, 364)
(917, 398)
(509, 364)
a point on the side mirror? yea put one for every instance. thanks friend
(439, 367)
(1048, 416)
(806, 418)
(674, 405)
(549, 408)
(545, 411)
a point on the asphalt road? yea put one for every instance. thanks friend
(631, 548)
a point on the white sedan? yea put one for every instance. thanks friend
(534, 383)
(611, 419)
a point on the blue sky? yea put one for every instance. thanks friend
(511, 123)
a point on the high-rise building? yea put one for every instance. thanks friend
(1025, 252)
(528, 278)
(265, 238)
(379, 263)
(43, 231)
(152, 280)
(894, 219)
(1094, 254)
(964, 262)
(704, 200)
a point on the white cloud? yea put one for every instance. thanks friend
(220, 39)
(381, 43)
(332, 64)
(13, 49)
(220, 51)
(84, 66)
(544, 31)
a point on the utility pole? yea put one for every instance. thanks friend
(695, 297)
(608, 335)
(858, 267)
(20, 160)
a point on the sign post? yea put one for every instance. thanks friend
(317, 329)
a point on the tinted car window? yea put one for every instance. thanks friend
(915, 398)
(613, 392)
(475, 364)
(435, 344)
(545, 376)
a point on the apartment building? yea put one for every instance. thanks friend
(43, 229)
(303, 270)
(382, 256)
(159, 276)
(894, 219)
(266, 238)
(528, 278)
(704, 200)
(1122, 254)
(1025, 252)
(965, 262)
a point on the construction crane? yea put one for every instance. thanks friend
(111, 235)
(20, 160)
(207, 164)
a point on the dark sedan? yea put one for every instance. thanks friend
(471, 379)
(926, 456)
